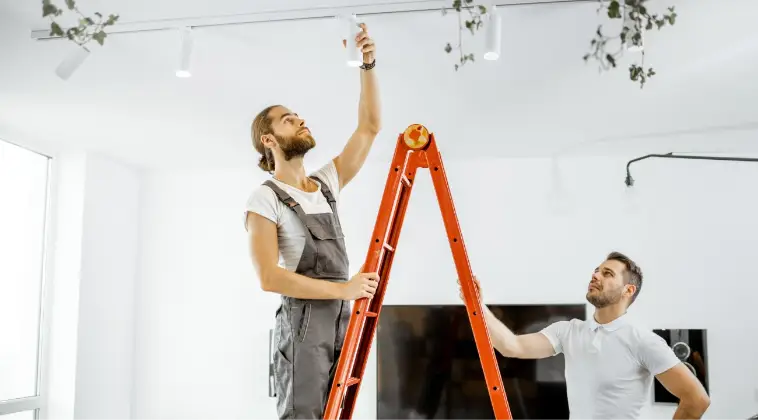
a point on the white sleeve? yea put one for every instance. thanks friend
(654, 353)
(328, 174)
(556, 333)
(263, 201)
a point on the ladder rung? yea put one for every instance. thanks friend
(389, 247)
(371, 314)
(406, 181)
(352, 381)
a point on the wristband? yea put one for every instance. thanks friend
(368, 66)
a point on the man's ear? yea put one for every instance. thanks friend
(268, 140)
(631, 289)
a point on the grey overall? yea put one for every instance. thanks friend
(309, 333)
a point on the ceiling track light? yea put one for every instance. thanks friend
(186, 53)
(629, 181)
(493, 29)
(352, 27)
(72, 62)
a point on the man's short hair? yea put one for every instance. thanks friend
(633, 274)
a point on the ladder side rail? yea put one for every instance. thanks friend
(413, 162)
(470, 293)
(389, 203)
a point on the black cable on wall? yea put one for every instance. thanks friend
(630, 181)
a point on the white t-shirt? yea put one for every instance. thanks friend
(610, 368)
(290, 230)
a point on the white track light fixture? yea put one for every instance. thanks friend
(493, 29)
(72, 62)
(354, 56)
(186, 54)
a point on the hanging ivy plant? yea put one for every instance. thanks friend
(88, 28)
(636, 20)
(475, 12)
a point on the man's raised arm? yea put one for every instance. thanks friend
(352, 157)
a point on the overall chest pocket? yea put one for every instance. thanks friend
(329, 248)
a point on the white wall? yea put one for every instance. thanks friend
(534, 229)
(90, 370)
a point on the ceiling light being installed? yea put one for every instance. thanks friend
(493, 28)
(186, 54)
(354, 56)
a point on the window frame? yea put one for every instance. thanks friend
(38, 402)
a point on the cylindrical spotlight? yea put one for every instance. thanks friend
(493, 29)
(186, 54)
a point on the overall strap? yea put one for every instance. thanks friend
(327, 193)
(286, 199)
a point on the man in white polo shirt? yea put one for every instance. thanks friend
(610, 363)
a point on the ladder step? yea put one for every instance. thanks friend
(352, 381)
(389, 247)
(371, 314)
(405, 181)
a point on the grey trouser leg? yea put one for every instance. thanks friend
(309, 334)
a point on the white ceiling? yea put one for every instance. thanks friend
(539, 99)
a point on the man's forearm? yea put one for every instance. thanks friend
(285, 282)
(369, 109)
(503, 339)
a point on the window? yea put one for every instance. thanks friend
(24, 179)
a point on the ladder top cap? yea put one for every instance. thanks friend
(416, 136)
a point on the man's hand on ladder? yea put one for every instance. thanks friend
(361, 285)
(476, 286)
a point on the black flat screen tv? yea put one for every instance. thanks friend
(428, 366)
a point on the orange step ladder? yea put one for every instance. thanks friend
(416, 148)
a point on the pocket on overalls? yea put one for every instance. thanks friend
(331, 256)
(300, 317)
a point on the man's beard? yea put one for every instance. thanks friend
(295, 146)
(603, 298)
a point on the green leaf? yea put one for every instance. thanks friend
(634, 72)
(482, 9)
(614, 10)
(111, 20)
(99, 37)
(70, 4)
(49, 9)
(586, 57)
(448, 48)
(610, 59)
(55, 29)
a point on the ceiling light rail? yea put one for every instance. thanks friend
(319, 13)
